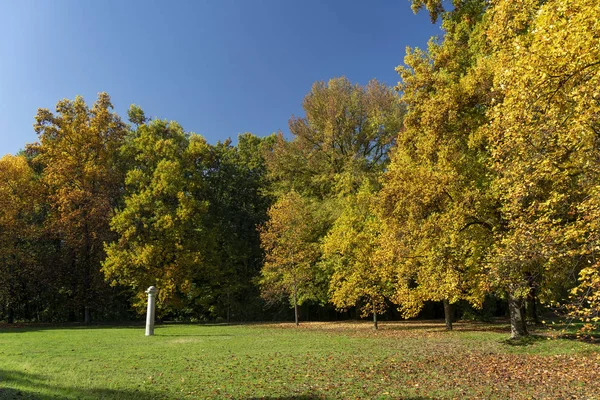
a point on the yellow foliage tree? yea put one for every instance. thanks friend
(350, 247)
(291, 248)
(20, 202)
(437, 217)
(543, 137)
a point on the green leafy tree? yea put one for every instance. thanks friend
(162, 239)
(238, 203)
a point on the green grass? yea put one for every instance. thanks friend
(317, 360)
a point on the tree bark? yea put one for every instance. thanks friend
(448, 314)
(518, 327)
(375, 327)
(10, 310)
(524, 314)
(296, 302)
(531, 304)
(532, 309)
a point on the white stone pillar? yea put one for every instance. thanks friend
(151, 309)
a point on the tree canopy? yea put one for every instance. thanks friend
(477, 177)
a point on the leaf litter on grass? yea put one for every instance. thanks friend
(474, 361)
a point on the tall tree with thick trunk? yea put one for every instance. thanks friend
(437, 215)
(543, 136)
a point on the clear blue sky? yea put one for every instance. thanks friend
(219, 67)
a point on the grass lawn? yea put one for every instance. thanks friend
(416, 360)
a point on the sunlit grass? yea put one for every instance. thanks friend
(318, 360)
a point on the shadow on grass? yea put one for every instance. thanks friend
(591, 338)
(20, 385)
(190, 335)
(525, 341)
(37, 326)
(42, 326)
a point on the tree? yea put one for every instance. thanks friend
(19, 228)
(77, 153)
(434, 7)
(162, 239)
(543, 136)
(238, 203)
(347, 132)
(343, 139)
(350, 246)
(291, 251)
(436, 213)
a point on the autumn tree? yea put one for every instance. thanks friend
(436, 213)
(435, 8)
(343, 139)
(524, 98)
(350, 247)
(544, 141)
(346, 133)
(290, 241)
(77, 152)
(20, 229)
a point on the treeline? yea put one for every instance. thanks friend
(482, 180)
(478, 176)
(97, 210)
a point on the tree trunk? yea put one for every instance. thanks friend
(296, 302)
(524, 315)
(228, 306)
(87, 279)
(448, 314)
(533, 313)
(518, 327)
(374, 317)
(10, 310)
(531, 304)
(87, 315)
(10, 316)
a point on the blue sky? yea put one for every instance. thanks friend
(219, 67)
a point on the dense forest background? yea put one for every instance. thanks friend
(472, 186)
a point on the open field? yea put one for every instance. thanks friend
(416, 360)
